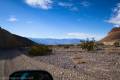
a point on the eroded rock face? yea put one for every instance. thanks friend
(112, 36)
(9, 40)
(116, 29)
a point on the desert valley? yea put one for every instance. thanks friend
(64, 62)
(59, 39)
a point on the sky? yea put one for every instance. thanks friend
(60, 18)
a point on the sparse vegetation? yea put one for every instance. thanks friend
(117, 44)
(39, 50)
(66, 47)
(88, 45)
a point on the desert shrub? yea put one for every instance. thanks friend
(88, 45)
(117, 44)
(39, 50)
(63, 46)
(99, 44)
(66, 47)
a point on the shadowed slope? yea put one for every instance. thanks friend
(9, 40)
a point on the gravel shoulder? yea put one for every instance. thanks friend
(99, 66)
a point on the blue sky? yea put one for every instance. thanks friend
(60, 18)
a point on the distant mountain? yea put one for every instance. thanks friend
(9, 40)
(48, 41)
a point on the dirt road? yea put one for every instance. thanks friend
(15, 60)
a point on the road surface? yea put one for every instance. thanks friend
(15, 60)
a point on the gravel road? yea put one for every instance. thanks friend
(60, 65)
(14, 60)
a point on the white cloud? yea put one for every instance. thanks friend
(69, 5)
(12, 19)
(74, 8)
(80, 35)
(115, 19)
(65, 4)
(48, 4)
(85, 3)
(43, 4)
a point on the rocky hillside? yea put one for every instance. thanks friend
(9, 40)
(113, 35)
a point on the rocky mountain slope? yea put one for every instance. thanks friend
(113, 35)
(9, 40)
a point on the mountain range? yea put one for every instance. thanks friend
(10, 40)
(49, 41)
